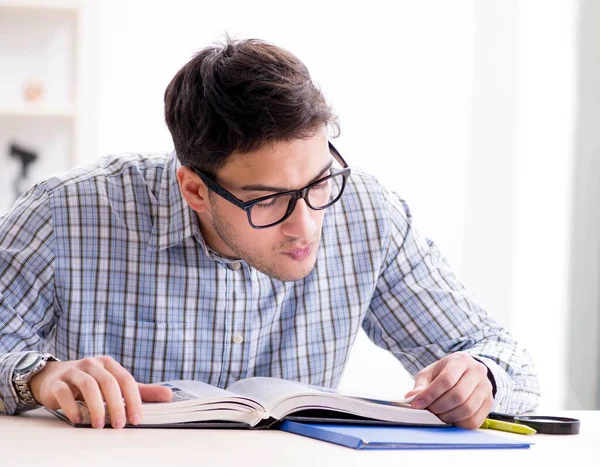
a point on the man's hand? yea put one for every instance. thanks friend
(95, 380)
(456, 389)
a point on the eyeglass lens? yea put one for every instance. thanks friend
(319, 196)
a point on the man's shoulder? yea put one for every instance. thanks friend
(108, 167)
(364, 192)
(364, 221)
(367, 205)
(366, 180)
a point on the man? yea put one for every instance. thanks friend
(250, 250)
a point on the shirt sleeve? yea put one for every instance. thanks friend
(420, 312)
(26, 287)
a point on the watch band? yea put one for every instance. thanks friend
(25, 394)
(21, 380)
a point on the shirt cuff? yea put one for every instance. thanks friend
(501, 383)
(10, 403)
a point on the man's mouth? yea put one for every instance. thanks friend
(301, 252)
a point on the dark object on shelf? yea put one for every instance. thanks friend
(27, 157)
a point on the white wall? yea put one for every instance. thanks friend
(517, 239)
(399, 75)
(488, 230)
(544, 156)
(463, 107)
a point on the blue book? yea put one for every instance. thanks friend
(401, 437)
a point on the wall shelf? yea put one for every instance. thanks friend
(43, 44)
(44, 5)
(39, 110)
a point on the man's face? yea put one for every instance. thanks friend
(286, 251)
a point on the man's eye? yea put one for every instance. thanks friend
(266, 205)
(321, 186)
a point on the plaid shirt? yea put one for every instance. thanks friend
(109, 260)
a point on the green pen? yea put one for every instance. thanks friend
(490, 424)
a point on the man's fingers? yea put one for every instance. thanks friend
(90, 391)
(448, 377)
(129, 390)
(476, 420)
(480, 398)
(66, 401)
(105, 386)
(422, 380)
(109, 386)
(457, 395)
(96, 380)
(155, 393)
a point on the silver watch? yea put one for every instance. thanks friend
(31, 364)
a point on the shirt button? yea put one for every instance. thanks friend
(235, 266)
(238, 338)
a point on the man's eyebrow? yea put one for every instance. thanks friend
(280, 189)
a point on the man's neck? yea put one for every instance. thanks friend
(212, 238)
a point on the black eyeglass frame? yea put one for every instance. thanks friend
(296, 195)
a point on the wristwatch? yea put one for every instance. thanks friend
(31, 364)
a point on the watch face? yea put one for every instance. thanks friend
(27, 362)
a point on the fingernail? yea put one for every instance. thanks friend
(418, 403)
(98, 424)
(119, 423)
(136, 418)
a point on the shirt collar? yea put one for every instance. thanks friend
(174, 220)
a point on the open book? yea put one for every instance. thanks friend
(261, 402)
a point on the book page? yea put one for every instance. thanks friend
(194, 393)
(188, 390)
(281, 398)
(270, 391)
(364, 396)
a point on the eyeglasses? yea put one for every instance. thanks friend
(271, 210)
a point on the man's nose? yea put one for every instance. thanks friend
(301, 223)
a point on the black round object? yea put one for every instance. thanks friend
(549, 425)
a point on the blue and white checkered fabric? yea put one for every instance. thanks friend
(109, 260)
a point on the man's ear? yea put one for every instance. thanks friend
(193, 189)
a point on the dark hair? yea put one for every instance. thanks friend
(238, 96)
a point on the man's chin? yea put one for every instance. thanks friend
(285, 267)
(293, 272)
(293, 278)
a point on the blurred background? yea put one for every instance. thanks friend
(482, 114)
